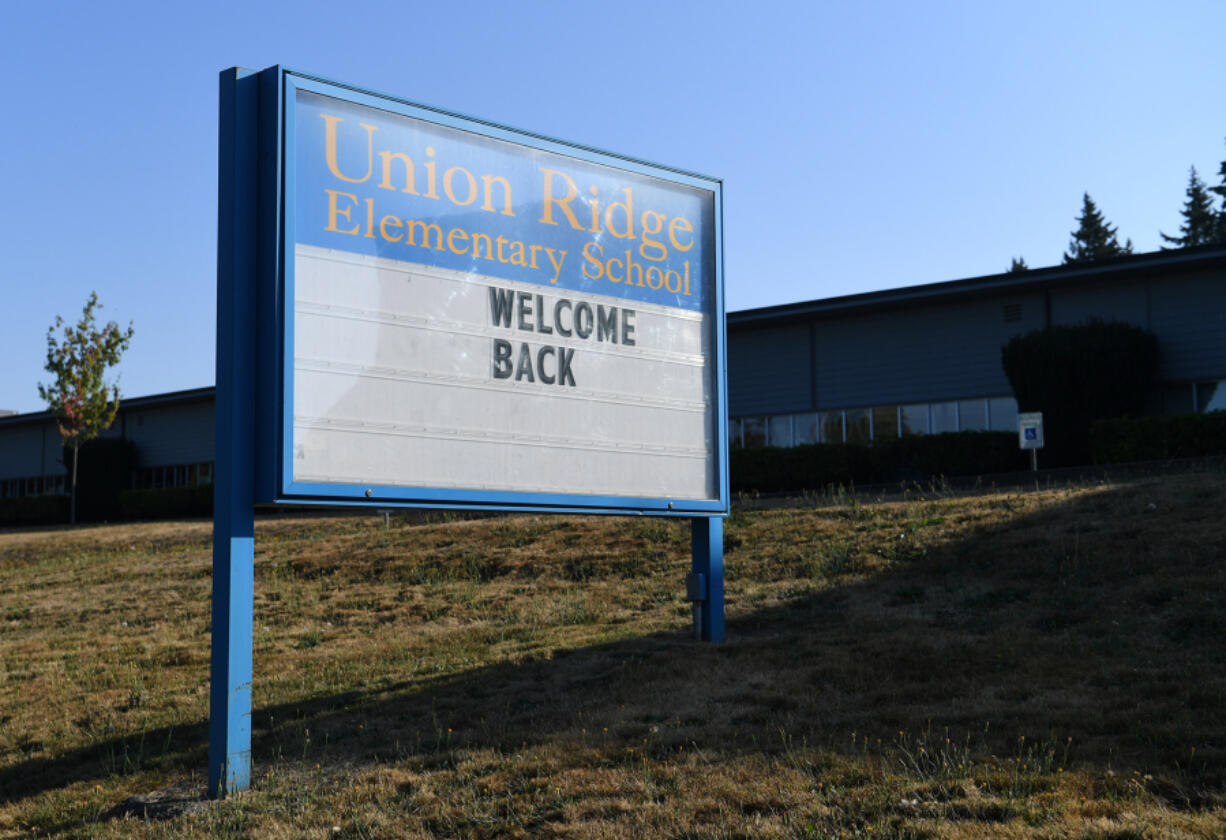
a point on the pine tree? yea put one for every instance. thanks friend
(1201, 225)
(1019, 264)
(1094, 239)
(1220, 190)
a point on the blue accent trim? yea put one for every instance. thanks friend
(279, 458)
(233, 488)
(721, 359)
(382, 101)
(384, 496)
(269, 302)
(707, 546)
(285, 320)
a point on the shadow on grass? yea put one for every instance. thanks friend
(1099, 620)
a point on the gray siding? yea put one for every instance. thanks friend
(769, 370)
(925, 354)
(31, 449)
(1188, 314)
(171, 434)
(1116, 302)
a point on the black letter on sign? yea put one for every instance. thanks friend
(525, 311)
(524, 369)
(540, 364)
(502, 359)
(500, 306)
(565, 377)
(583, 320)
(628, 327)
(542, 324)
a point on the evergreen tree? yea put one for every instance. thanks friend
(1094, 239)
(1220, 191)
(1201, 225)
(1019, 264)
(83, 403)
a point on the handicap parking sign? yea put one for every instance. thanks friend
(1030, 430)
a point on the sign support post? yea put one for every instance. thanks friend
(234, 472)
(705, 584)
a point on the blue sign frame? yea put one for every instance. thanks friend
(275, 483)
(255, 384)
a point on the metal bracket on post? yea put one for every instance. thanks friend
(705, 583)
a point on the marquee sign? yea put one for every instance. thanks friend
(416, 308)
(472, 315)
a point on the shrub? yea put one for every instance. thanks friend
(1159, 438)
(104, 471)
(34, 510)
(167, 503)
(921, 458)
(1076, 374)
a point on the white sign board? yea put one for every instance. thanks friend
(478, 316)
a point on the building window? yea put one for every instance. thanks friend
(885, 422)
(1210, 396)
(753, 430)
(944, 417)
(805, 429)
(734, 433)
(914, 420)
(832, 426)
(1002, 414)
(973, 415)
(857, 425)
(779, 430)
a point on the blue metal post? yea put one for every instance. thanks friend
(233, 478)
(706, 581)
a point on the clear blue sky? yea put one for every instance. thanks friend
(863, 145)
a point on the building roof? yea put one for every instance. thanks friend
(1132, 266)
(125, 404)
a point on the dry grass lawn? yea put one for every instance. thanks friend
(1045, 664)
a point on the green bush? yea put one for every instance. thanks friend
(1159, 438)
(104, 471)
(1079, 373)
(167, 503)
(920, 458)
(34, 510)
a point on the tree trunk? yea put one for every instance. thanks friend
(72, 504)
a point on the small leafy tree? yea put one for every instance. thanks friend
(83, 403)
(1201, 225)
(1018, 264)
(1094, 239)
(1078, 373)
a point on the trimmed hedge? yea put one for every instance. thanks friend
(1076, 374)
(34, 510)
(1159, 438)
(104, 470)
(169, 503)
(919, 458)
